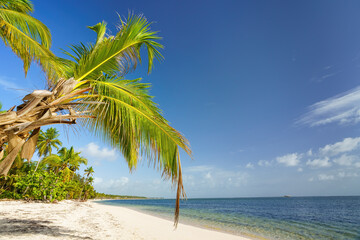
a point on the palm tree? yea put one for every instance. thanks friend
(66, 159)
(2, 150)
(92, 88)
(87, 172)
(47, 140)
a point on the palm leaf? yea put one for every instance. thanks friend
(30, 40)
(119, 54)
(24, 6)
(100, 30)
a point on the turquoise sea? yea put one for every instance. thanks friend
(269, 218)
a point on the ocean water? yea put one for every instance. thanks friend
(263, 218)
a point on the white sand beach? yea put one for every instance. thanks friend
(90, 220)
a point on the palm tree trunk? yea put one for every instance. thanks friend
(82, 188)
(37, 165)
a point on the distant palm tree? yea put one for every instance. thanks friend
(87, 172)
(66, 159)
(47, 141)
(2, 148)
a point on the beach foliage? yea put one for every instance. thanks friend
(54, 177)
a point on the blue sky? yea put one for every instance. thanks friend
(267, 92)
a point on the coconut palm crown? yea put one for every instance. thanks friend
(66, 159)
(47, 141)
(91, 89)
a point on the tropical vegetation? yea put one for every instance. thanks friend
(113, 196)
(51, 178)
(89, 87)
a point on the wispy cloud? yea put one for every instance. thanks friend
(341, 155)
(325, 177)
(319, 163)
(346, 145)
(112, 185)
(346, 160)
(200, 168)
(344, 174)
(289, 160)
(216, 179)
(96, 153)
(341, 109)
(250, 165)
(264, 163)
(8, 84)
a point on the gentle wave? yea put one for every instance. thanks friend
(270, 218)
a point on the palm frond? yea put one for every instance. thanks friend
(129, 120)
(52, 160)
(137, 126)
(30, 40)
(24, 6)
(119, 54)
(100, 30)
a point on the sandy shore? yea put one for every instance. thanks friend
(90, 220)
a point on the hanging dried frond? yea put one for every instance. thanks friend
(29, 147)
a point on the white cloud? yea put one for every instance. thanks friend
(342, 109)
(120, 182)
(263, 163)
(93, 151)
(309, 153)
(208, 175)
(216, 179)
(97, 180)
(341, 174)
(347, 175)
(250, 165)
(289, 160)
(200, 168)
(341, 153)
(319, 163)
(352, 175)
(324, 177)
(347, 145)
(345, 160)
(111, 184)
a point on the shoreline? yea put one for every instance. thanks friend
(183, 229)
(92, 220)
(186, 221)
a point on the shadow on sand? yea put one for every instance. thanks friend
(21, 227)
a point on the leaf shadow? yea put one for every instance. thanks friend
(23, 227)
